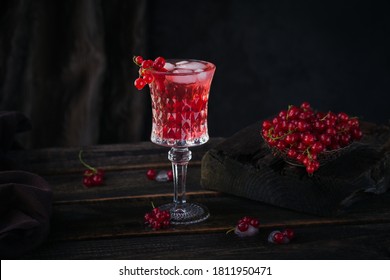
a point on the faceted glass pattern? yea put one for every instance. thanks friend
(179, 106)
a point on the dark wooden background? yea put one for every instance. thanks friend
(67, 64)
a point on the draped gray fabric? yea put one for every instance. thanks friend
(67, 66)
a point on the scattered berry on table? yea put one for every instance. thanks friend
(157, 219)
(151, 174)
(281, 237)
(160, 176)
(91, 176)
(246, 226)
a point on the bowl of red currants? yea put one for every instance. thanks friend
(305, 137)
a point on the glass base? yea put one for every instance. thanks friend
(189, 213)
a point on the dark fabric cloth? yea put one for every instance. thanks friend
(25, 198)
(25, 210)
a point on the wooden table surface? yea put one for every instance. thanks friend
(106, 222)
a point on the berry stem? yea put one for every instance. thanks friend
(279, 137)
(86, 164)
(327, 115)
(135, 62)
(230, 230)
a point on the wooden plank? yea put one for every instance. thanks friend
(123, 217)
(311, 243)
(110, 157)
(107, 222)
(68, 187)
(243, 165)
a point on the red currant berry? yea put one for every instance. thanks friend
(353, 122)
(310, 169)
(148, 78)
(356, 133)
(97, 179)
(156, 225)
(151, 174)
(293, 112)
(283, 114)
(255, 223)
(291, 138)
(138, 60)
(159, 63)
(267, 125)
(300, 157)
(170, 175)
(303, 126)
(87, 181)
(343, 117)
(243, 226)
(155, 211)
(148, 216)
(146, 64)
(278, 237)
(281, 145)
(317, 147)
(292, 153)
(245, 219)
(88, 172)
(308, 139)
(305, 105)
(139, 83)
(289, 233)
(326, 139)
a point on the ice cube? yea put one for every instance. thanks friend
(192, 65)
(162, 176)
(199, 70)
(169, 66)
(188, 76)
(186, 79)
(181, 62)
(202, 76)
(182, 71)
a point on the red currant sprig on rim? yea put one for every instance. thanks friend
(145, 77)
(157, 219)
(91, 176)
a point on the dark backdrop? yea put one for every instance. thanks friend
(67, 65)
(334, 54)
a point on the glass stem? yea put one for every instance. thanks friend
(179, 158)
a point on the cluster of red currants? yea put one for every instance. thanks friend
(303, 135)
(145, 65)
(157, 219)
(91, 176)
(247, 226)
(281, 237)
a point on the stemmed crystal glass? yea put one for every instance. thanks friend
(179, 95)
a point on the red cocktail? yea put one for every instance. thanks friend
(180, 93)
(179, 103)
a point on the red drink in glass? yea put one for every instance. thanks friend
(179, 103)
(180, 94)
